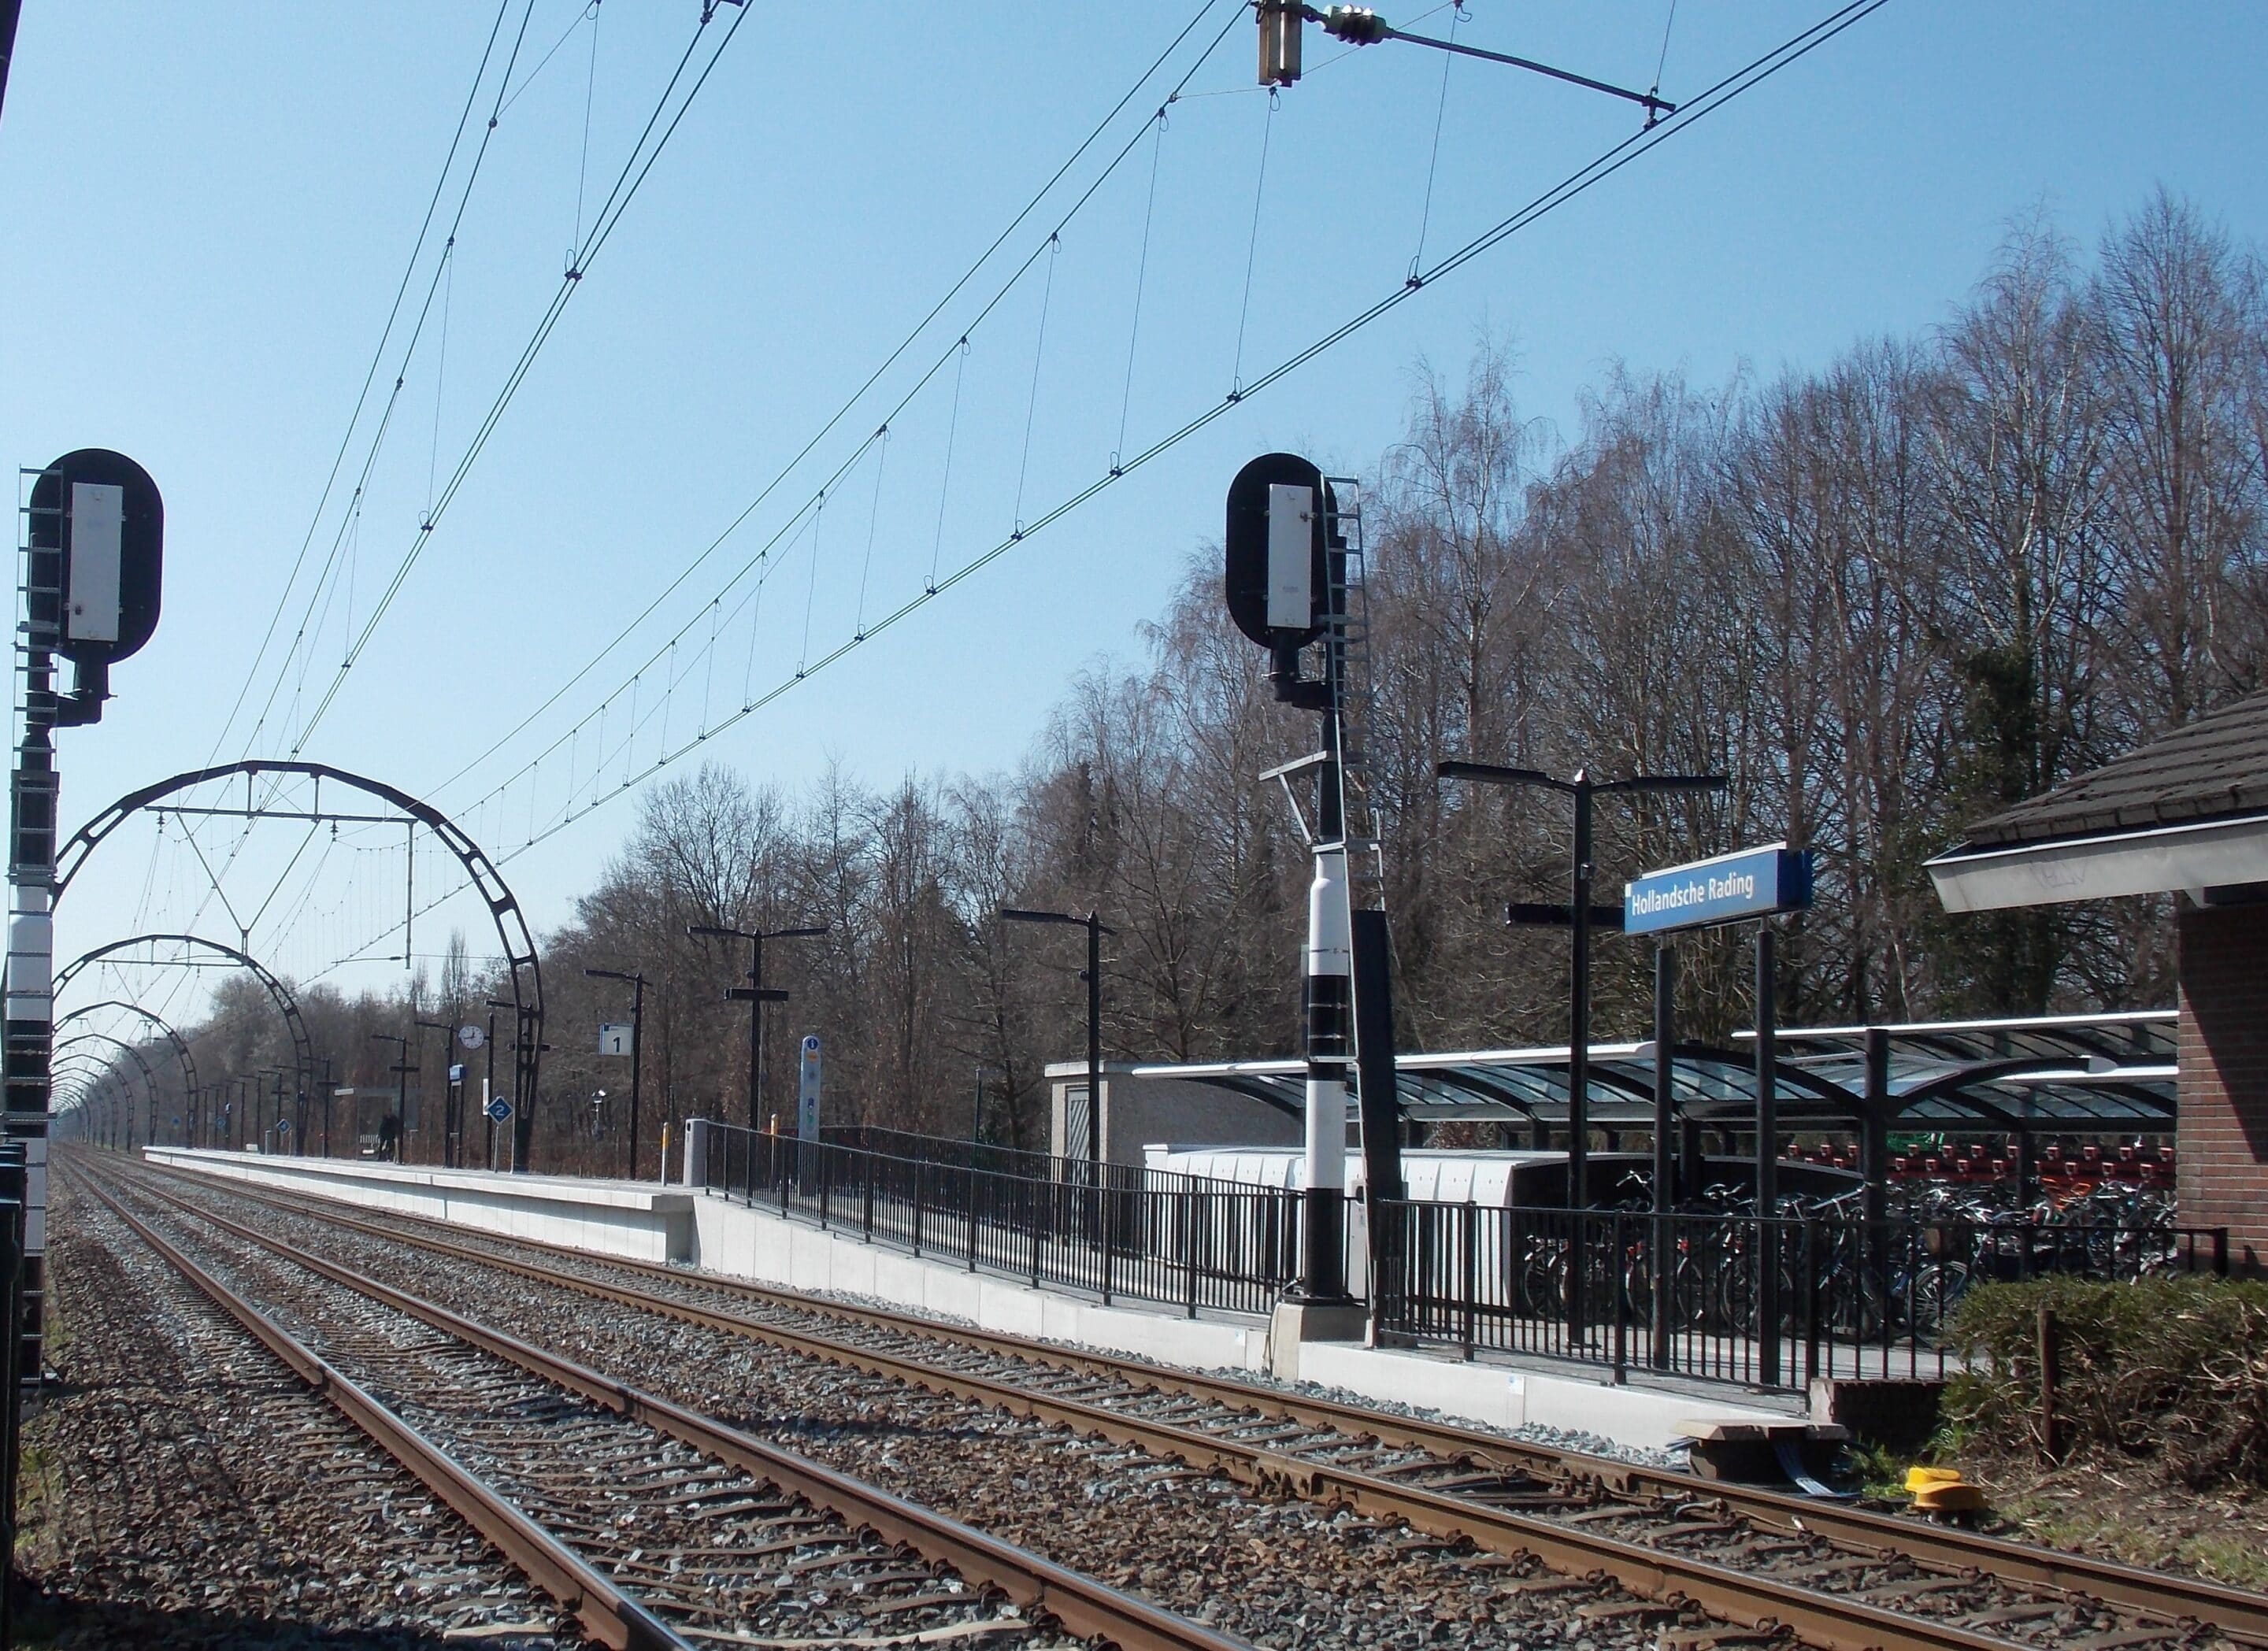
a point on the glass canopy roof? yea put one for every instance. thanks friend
(2075, 1073)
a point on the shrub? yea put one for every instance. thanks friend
(2170, 1371)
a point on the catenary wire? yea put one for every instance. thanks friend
(831, 482)
(609, 215)
(1609, 160)
(913, 336)
(303, 636)
(1755, 72)
(370, 378)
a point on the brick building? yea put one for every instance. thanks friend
(2187, 816)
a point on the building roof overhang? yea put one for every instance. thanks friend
(2196, 857)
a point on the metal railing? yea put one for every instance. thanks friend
(1762, 1302)
(1120, 1231)
(1766, 1303)
(946, 1149)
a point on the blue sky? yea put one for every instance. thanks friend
(209, 208)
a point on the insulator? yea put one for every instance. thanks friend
(1357, 26)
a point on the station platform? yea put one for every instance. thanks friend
(692, 1226)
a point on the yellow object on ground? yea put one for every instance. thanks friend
(1942, 1491)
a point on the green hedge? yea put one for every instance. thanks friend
(2171, 1370)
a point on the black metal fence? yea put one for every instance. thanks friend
(1761, 1302)
(1119, 1231)
(971, 1154)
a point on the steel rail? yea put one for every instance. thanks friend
(611, 1616)
(1840, 1622)
(2161, 1595)
(1084, 1606)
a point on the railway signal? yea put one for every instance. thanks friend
(1285, 589)
(89, 585)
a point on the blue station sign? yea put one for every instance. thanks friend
(1732, 888)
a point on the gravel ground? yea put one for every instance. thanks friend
(183, 1489)
(714, 1550)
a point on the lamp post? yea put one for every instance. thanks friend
(637, 1040)
(403, 1069)
(448, 1090)
(1581, 916)
(1095, 930)
(755, 995)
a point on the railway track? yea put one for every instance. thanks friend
(660, 1529)
(154, 1513)
(1283, 1570)
(1837, 1576)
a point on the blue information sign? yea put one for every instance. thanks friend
(498, 1109)
(1730, 889)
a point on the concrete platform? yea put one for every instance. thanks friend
(618, 1218)
(718, 1233)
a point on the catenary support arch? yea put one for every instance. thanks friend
(180, 1048)
(95, 1085)
(149, 1076)
(81, 1080)
(513, 932)
(286, 1004)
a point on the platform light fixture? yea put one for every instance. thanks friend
(755, 995)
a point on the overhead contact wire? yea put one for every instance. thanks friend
(843, 411)
(1610, 161)
(370, 378)
(457, 222)
(1724, 92)
(609, 215)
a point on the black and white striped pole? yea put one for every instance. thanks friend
(1330, 1050)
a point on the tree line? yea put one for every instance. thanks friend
(1884, 597)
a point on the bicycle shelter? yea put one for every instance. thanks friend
(2032, 1078)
